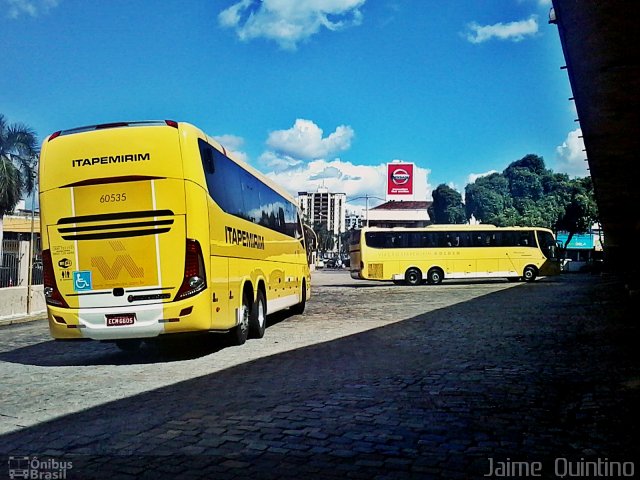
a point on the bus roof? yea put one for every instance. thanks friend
(182, 127)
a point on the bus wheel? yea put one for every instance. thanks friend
(240, 333)
(434, 276)
(258, 318)
(129, 345)
(413, 276)
(529, 274)
(298, 309)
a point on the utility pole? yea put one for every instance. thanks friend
(30, 260)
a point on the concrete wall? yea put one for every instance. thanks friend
(13, 301)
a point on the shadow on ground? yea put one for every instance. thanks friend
(86, 353)
(537, 373)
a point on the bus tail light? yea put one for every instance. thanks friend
(51, 293)
(195, 279)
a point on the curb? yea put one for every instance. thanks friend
(6, 321)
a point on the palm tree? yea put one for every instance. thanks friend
(18, 158)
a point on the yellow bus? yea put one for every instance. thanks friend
(436, 252)
(153, 228)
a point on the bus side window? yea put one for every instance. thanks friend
(433, 240)
(478, 240)
(206, 152)
(509, 239)
(526, 239)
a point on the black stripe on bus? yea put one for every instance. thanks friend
(125, 234)
(119, 225)
(148, 289)
(110, 292)
(115, 216)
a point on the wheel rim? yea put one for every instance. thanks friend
(413, 277)
(261, 315)
(244, 322)
(528, 274)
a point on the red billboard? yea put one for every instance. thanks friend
(400, 179)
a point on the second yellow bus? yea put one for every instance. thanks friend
(434, 253)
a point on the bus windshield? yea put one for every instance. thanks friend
(548, 245)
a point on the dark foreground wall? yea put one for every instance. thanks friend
(600, 43)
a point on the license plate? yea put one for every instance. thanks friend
(121, 319)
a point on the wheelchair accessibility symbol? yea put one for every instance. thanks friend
(82, 280)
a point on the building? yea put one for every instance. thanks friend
(601, 61)
(324, 208)
(15, 247)
(353, 221)
(395, 213)
(584, 250)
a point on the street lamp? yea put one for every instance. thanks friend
(366, 209)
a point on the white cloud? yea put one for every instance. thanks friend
(16, 8)
(301, 159)
(570, 156)
(305, 141)
(232, 143)
(472, 177)
(345, 177)
(514, 31)
(289, 22)
(279, 163)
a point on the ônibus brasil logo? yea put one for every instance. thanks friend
(400, 176)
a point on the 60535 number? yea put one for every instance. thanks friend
(113, 197)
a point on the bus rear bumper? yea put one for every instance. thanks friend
(117, 323)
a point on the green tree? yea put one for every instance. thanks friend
(581, 212)
(326, 239)
(447, 206)
(18, 158)
(488, 200)
(526, 193)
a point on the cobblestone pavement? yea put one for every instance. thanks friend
(374, 381)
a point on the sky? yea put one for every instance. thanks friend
(310, 92)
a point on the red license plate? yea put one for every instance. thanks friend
(121, 319)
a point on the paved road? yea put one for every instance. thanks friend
(374, 381)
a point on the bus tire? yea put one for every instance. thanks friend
(129, 345)
(434, 276)
(529, 274)
(258, 318)
(298, 309)
(413, 276)
(240, 333)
